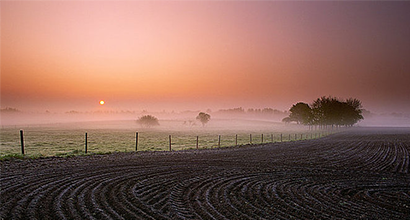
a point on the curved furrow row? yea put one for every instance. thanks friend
(383, 157)
(273, 205)
(185, 197)
(377, 156)
(378, 159)
(404, 157)
(326, 202)
(154, 192)
(293, 192)
(351, 176)
(251, 196)
(26, 204)
(200, 197)
(233, 194)
(103, 195)
(125, 202)
(353, 157)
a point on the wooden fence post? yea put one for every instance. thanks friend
(296, 137)
(136, 141)
(236, 140)
(85, 142)
(271, 137)
(280, 137)
(197, 142)
(22, 141)
(219, 141)
(262, 138)
(250, 138)
(170, 149)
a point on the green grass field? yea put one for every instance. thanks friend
(119, 136)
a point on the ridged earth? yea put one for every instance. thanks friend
(356, 174)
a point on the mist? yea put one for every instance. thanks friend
(229, 118)
(13, 116)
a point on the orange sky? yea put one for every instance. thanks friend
(178, 55)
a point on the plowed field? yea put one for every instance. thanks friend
(357, 174)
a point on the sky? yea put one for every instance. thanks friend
(198, 55)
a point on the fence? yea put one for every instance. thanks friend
(61, 143)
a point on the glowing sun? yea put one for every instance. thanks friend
(102, 102)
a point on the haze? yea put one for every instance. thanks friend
(198, 55)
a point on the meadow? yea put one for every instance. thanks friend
(120, 136)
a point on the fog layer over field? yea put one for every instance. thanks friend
(112, 132)
(126, 120)
(183, 119)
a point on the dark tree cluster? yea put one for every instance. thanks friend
(148, 121)
(326, 111)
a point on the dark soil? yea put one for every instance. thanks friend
(356, 174)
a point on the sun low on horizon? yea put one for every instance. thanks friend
(203, 54)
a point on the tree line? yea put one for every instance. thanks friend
(150, 121)
(240, 110)
(326, 111)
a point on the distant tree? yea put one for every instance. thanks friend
(203, 118)
(332, 111)
(148, 121)
(287, 120)
(9, 110)
(239, 110)
(352, 112)
(326, 111)
(190, 123)
(301, 113)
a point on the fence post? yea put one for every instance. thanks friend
(136, 141)
(280, 137)
(197, 142)
(271, 137)
(170, 149)
(296, 137)
(250, 138)
(219, 141)
(22, 141)
(236, 140)
(262, 138)
(85, 142)
(289, 137)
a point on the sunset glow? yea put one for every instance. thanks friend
(61, 55)
(102, 102)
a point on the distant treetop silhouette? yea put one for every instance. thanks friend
(326, 111)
